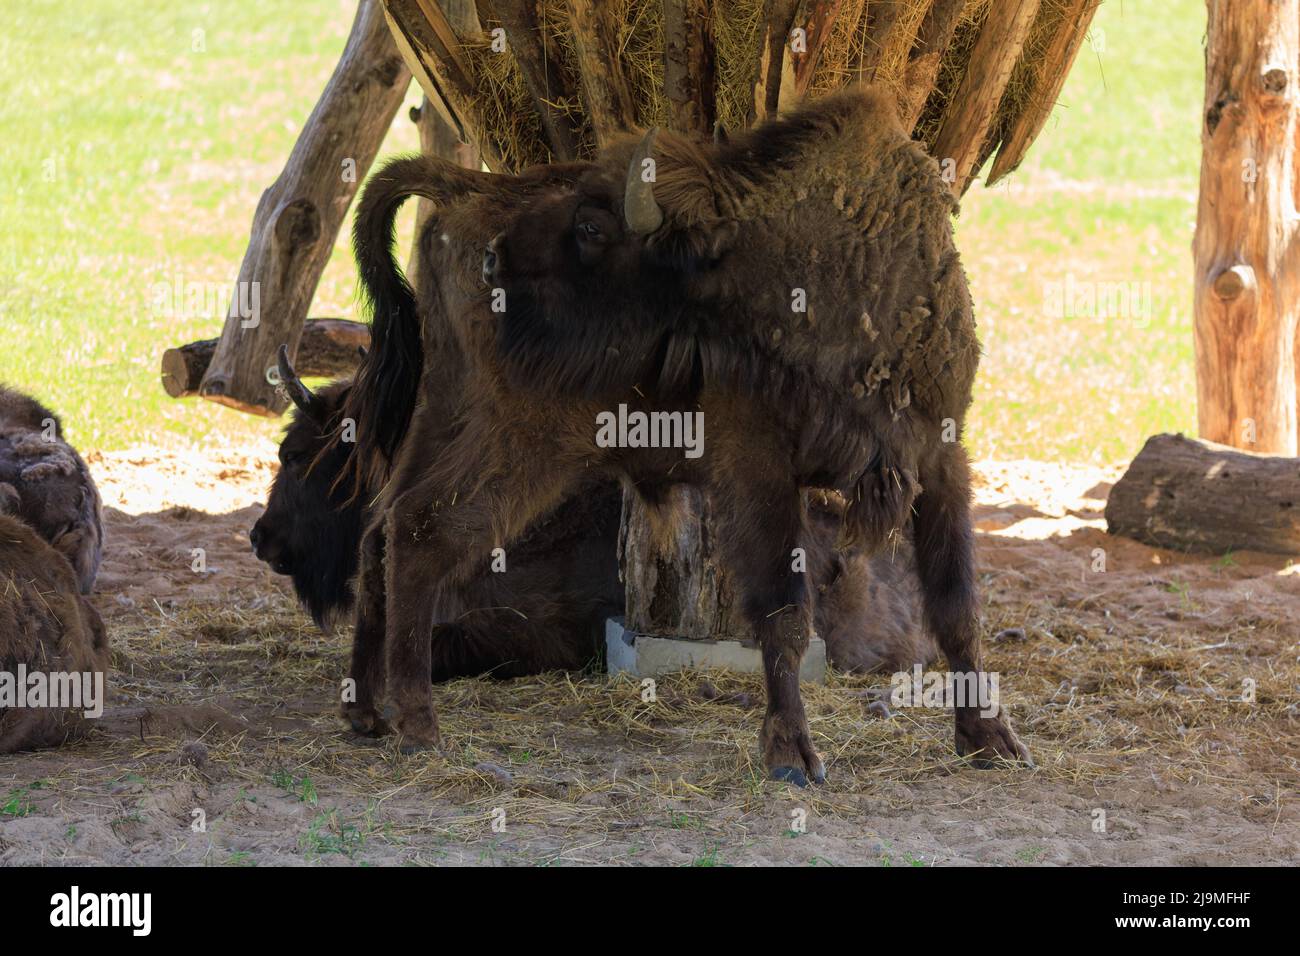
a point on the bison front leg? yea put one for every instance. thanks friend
(436, 539)
(945, 560)
(365, 693)
(761, 529)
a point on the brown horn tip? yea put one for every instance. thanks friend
(642, 212)
(298, 393)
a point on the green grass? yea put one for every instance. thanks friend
(132, 158)
(1106, 195)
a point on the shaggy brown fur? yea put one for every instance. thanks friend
(548, 609)
(45, 483)
(45, 625)
(864, 391)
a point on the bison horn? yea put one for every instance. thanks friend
(642, 213)
(298, 393)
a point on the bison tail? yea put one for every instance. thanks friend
(384, 393)
(879, 504)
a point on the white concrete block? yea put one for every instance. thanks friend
(649, 655)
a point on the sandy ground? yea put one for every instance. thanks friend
(220, 746)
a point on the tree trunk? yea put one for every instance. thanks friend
(678, 587)
(1198, 496)
(1247, 255)
(327, 349)
(299, 216)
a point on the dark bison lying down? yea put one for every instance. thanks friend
(50, 634)
(44, 482)
(797, 288)
(548, 608)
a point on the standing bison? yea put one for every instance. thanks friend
(795, 290)
(44, 482)
(549, 610)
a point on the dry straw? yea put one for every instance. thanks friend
(738, 34)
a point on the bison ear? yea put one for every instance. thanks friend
(298, 393)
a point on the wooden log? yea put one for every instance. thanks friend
(975, 102)
(884, 21)
(679, 587)
(604, 87)
(299, 216)
(774, 69)
(542, 70)
(1246, 251)
(1052, 71)
(933, 38)
(816, 21)
(1195, 495)
(690, 65)
(439, 137)
(431, 47)
(327, 349)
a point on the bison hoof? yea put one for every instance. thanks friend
(788, 752)
(797, 776)
(366, 722)
(419, 733)
(989, 742)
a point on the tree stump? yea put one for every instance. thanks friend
(1194, 495)
(299, 216)
(677, 587)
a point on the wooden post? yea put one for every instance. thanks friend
(429, 42)
(438, 137)
(1052, 71)
(774, 69)
(604, 87)
(933, 38)
(542, 71)
(677, 588)
(690, 65)
(883, 20)
(299, 216)
(1247, 255)
(975, 101)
